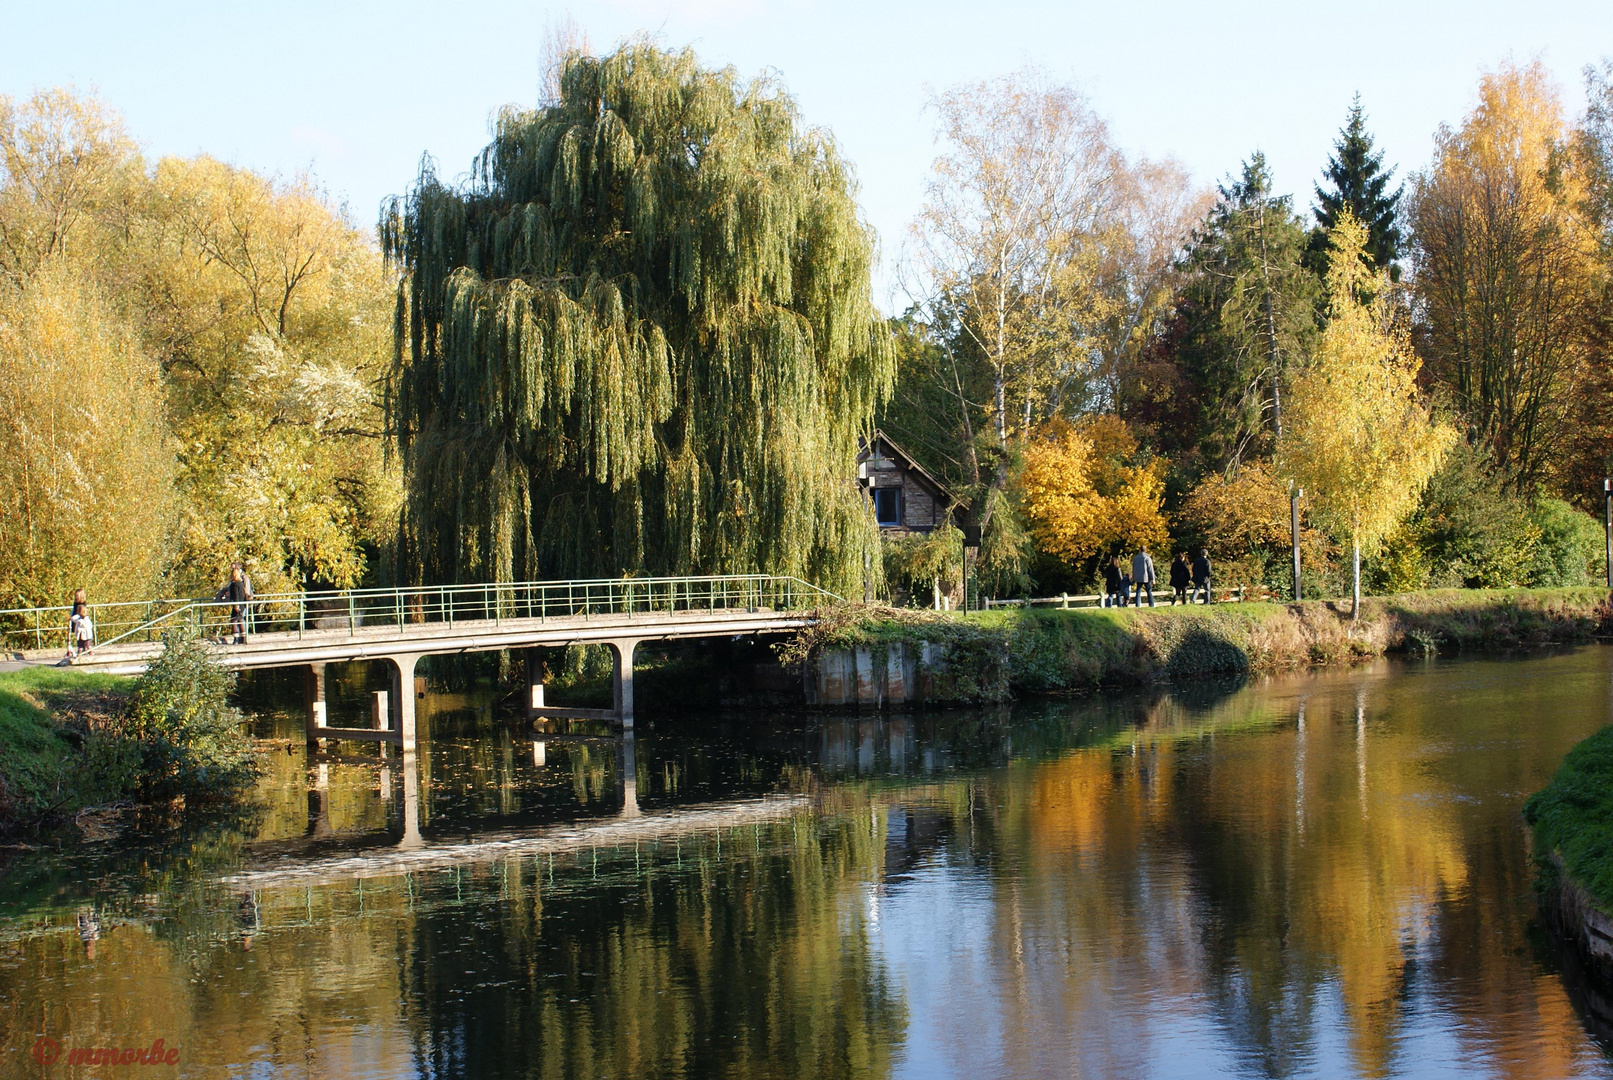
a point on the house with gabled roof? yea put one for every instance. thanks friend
(906, 498)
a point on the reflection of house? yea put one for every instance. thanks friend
(906, 498)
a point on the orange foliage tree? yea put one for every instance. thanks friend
(1086, 489)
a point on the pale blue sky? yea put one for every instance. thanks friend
(358, 91)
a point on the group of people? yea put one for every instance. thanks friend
(1189, 580)
(237, 592)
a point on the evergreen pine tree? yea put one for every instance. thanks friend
(1360, 185)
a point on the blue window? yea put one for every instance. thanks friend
(888, 506)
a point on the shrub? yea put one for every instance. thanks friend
(1570, 550)
(192, 740)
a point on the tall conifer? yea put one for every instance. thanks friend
(1356, 181)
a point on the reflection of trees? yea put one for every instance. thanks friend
(754, 964)
(743, 953)
(1107, 876)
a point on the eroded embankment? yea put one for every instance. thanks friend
(876, 656)
(1572, 822)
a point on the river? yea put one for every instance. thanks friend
(1313, 875)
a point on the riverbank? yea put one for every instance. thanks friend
(1572, 822)
(75, 739)
(889, 655)
(52, 764)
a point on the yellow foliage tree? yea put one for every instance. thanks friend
(1358, 440)
(86, 465)
(1085, 491)
(1506, 269)
(272, 317)
(264, 315)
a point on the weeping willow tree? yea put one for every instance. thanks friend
(638, 338)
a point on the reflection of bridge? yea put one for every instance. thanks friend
(404, 624)
(414, 854)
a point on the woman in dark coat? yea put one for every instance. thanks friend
(1114, 583)
(1181, 578)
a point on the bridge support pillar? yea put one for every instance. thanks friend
(315, 716)
(622, 680)
(403, 675)
(534, 682)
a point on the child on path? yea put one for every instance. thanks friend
(80, 632)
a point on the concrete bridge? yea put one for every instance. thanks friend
(404, 624)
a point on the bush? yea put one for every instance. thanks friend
(1571, 546)
(192, 740)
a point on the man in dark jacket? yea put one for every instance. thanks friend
(1201, 574)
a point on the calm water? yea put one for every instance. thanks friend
(1310, 876)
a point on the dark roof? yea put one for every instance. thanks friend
(908, 462)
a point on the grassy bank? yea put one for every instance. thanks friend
(50, 764)
(991, 656)
(70, 739)
(1572, 819)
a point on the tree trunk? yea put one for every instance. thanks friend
(1355, 558)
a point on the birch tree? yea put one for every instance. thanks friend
(1027, 175)
(1358, 440)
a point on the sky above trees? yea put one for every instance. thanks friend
(356, 93)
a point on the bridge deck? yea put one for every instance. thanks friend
(289, 648)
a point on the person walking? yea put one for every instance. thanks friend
(1113, 585)
(80, 631)
(1142, 577)
(1181, 578)
(237, 593)
(1201, 574)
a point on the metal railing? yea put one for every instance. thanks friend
(350, 610)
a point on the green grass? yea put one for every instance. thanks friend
(1050, 650)
(1573, 819)
(42, 769)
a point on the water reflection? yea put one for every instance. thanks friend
(1309, 876)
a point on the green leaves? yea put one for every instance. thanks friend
(192, 739)
(640, 339)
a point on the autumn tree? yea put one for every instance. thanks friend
(271, 316)
(1244, 520)
(266, 315)
(1504, 266)
(1587, 454)
(1141, 244)
(1088, 490)
(86, 464)
(639, 339)
(1358, 440)
(1026, 180)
